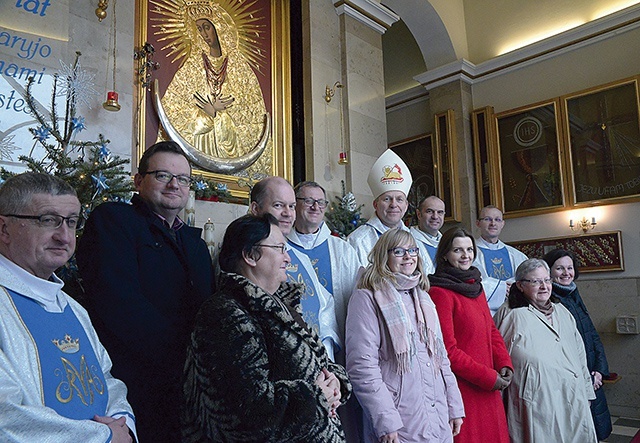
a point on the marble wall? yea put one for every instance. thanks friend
(345, 49)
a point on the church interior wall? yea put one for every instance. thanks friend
(606, 294)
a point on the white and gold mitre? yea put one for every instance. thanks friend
(389, 173)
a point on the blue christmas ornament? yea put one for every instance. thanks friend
(100, 182)
(201, 185)
(221, 187)
(354, 222)
(104, 152)
(356, 216)
(77, 124)
(41, 134)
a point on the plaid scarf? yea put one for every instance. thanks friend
(399, 325)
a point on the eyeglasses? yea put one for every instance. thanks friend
(489, 220)
(537, 281)
(53, 221)
(400, 252)
(308, 201)
(283, 248)
(166, 177)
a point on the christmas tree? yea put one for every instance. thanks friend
(344, 217)
(88, 166)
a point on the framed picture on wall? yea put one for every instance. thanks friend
(604, 142)
(221, 88)
(445, 165)
(595, 251)
(417, 153)
(483, 145)
(530, 165)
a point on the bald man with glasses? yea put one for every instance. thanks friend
(147, 273)
(496, 261)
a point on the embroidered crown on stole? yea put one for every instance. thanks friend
(68, 345)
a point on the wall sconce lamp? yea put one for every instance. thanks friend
(328, 95)
(330, 92)
(583, 224)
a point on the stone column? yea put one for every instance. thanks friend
(457, 95)
(362, 23)
(343, 41)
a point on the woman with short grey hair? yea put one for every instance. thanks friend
(548, 399)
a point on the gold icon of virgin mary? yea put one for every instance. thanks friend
(213, 106)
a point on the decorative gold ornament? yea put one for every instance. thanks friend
(101, 10)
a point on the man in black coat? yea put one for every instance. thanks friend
(147, 274)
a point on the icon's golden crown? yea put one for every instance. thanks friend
(68, 345)
(199, 8)
(496, 260)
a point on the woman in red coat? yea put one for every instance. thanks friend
(477, 352)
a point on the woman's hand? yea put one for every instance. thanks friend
(390, 438)
(330, 385)
(456, 424)
(507, 374)
(500, 383)
(597, 380)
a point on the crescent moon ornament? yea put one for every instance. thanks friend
(213, 164)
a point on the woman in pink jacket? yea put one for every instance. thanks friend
(396, 357)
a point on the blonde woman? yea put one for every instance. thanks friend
(396, 357)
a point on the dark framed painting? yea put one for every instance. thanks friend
(483, 147)
(530, 164)
(445, 165)
(596, 252)
(417, 153)
(604, 143)
(213, 76)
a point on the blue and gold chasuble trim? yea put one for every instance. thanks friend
(498, 263)
(310, 301)
(72, 379)
(321, 262)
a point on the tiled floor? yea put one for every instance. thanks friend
(623, 429)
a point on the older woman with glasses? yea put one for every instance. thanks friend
(255, 372)
(396, 357)
(548, 400)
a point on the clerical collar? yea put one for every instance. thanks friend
(481, 242)
(435, 237)
(46, 292)
(308, 241)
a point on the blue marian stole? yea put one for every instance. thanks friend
(321, 262)
(310, 302)
(72, 379)
(497, 263)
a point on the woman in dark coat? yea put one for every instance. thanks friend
(564, 272)
(255, 372)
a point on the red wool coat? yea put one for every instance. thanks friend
(476, 351)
